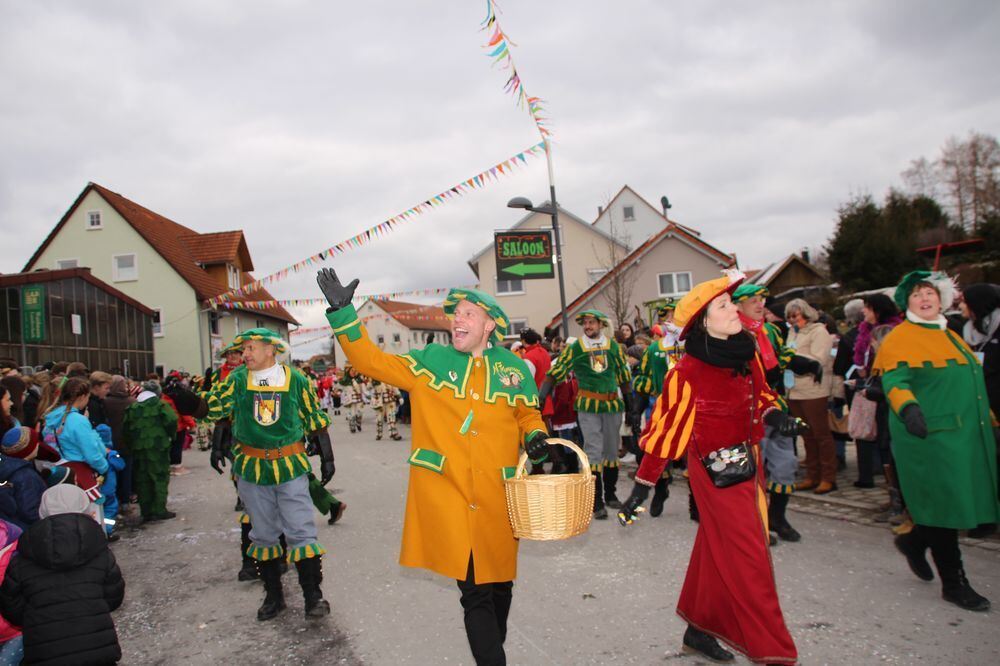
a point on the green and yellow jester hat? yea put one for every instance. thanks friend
(485, 301)
(669, 306)
(944, 285)
(596, 314)
(264, 335)
(745, 291)
(231, 347)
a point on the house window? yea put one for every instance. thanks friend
(232, 276)
(62, 264)
(381, 339)
(94, 219)
(595, 274)
(157, 322)
(628, 212)
(213, 322)
(516, 326)
(510, 287)
(260, 323)
(395, 338)
(674, 284)
(124, 268)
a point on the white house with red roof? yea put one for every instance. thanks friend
(167, 267)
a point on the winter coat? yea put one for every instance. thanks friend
(96, 412)
(814, 342)
(27, 486)
(78, 441)
(61, 588)
(29, 408)
(9, 534)
(114, 408)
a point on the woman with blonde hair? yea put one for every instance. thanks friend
(809, 381)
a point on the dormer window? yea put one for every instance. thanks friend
(232, 276)
(94, 219)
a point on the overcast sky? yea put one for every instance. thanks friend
(303, 123)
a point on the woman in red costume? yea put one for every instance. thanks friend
(714, 398)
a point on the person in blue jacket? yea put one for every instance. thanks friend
(19, 479)
(69, 431)
(109, 489)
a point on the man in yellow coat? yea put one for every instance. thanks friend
(474, 403)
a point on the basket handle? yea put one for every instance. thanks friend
(584, 461)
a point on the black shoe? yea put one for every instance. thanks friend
(982, 531)
(787, 533)
(239, 505)
(166, 515)
(310, 576)
(960, 593)
(864, 484)
(114, 536)
(601, 513)
(707, 646)
(336, 514)
(915, 551)
(396, 438)
(612, 502)
(692, 508)
(249, 570)
(274, 596)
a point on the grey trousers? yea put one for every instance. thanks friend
(601, 436)
(779, 460)
(285, 508)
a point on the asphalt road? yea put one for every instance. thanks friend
(606, 597)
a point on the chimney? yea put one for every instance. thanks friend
(600, 211)
(805, 254)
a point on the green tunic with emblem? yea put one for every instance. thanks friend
(470, 417)
(653, 368)
(599, 371)
(267, 417)
(949, 479)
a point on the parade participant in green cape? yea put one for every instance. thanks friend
(942, 434)
(602, 371)
(474, 405)
(274, 408)
(777, 450)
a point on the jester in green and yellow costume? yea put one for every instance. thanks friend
(605, 393)
(273, 409)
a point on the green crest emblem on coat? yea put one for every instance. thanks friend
(266, 408)
(509, 377)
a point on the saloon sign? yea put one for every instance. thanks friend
(524, 255)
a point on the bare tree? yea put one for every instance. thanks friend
(617, 293)
(921, 178)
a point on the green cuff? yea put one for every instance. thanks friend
(265, 553)
(345, 321)
(300, 553)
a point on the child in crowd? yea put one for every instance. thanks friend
(11, 642)
(109, 489)
(63, 583)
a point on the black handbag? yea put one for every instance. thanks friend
(730, 465)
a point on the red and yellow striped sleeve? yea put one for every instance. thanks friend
(766, 398)
(669, 429)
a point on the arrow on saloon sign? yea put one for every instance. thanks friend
(529, 269)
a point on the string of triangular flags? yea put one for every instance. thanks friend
(477, 181)
(299, 343)
(411, 313)
(300, 302)
(500, 44)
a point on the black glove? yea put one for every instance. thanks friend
(326, 466)
(787, 426)
(187, 401)
(221, 446)
(913, 419)
(537, 448)
(337, 295)
(633, 505)
(800, 365)
(544, 391)
(206, 383)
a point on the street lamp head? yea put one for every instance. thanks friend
(520, 202)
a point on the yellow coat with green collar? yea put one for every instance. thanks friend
(470, 418)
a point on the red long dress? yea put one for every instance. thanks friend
(729, 590)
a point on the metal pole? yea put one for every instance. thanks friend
(558, 248)
(20, 309)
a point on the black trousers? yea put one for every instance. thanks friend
(943, 544)
(486, 607)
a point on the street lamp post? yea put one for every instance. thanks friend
(553, 210)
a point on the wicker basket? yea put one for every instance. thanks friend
(548, 507)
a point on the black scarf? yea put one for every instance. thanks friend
(735, 352)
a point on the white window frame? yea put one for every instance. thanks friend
(397, 339)
(515, 326)
(114, 267)
(510, 293)
(232, 276)
(76, 263)
(596, 274)
(161, 333)
(100, 220)
(674, 274)
(625, 213)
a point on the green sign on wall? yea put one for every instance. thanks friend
(33, 313)
(524, 255)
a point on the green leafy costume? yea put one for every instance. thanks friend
(149, 428)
